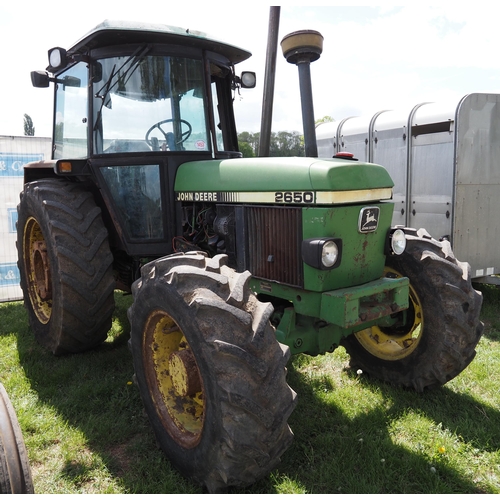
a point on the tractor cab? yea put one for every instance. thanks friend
(133, 102)
(134, 88)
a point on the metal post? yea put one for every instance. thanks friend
(269, 77)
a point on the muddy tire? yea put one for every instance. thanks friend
(15, 472)
(442, 327)
(65, 265)
(210, 371)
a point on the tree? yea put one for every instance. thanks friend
(245, 149)
(29, 128)
(249, 143)
(286, 144)
(325, 119)
(282, 144)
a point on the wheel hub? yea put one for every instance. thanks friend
(184, 373)
(37, 270)
(41, 270)
(174, 379)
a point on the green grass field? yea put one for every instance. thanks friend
(86, 431)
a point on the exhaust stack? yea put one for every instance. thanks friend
(302, 48)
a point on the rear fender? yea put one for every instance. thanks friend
(37, 170)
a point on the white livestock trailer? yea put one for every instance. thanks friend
(444, 160)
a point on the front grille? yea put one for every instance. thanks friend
(274, 236)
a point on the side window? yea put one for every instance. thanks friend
(135, 190)
(192, 111)
(70, 129)
(217, 120)
(222, 101)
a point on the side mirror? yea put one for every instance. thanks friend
(40, 79)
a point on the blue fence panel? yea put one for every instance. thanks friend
(15, 153)
(11, 164)
(9, 274)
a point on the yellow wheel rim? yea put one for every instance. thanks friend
(37, 271)
(395, 343)
(174, 379)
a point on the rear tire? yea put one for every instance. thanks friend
(442, 327)
(210, 371)
(65, 265)
(15, 472)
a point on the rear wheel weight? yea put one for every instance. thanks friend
(442, 328)
(209, 369)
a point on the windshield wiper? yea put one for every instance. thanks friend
(103, 93)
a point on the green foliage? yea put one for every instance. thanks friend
(249, 144)
(86, 431)
(325, 119)
(286, 144)
(245, 149)
(282, 144)
(29, 128)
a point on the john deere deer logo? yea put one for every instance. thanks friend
(368, 219)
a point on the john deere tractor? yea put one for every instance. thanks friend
(234, 263)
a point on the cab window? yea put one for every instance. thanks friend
(149, 103)
(70, 127)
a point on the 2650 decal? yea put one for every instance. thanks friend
(294, 197)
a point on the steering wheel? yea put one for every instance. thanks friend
(169, 136)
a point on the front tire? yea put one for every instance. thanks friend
(65, 265)
(442, 327)
(210, 371)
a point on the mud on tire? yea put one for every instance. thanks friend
(210, 371)
(442, 328)
(65, 265)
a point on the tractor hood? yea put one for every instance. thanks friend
(283, 180)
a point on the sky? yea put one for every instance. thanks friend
(376, 56)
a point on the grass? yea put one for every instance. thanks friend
(86, 431)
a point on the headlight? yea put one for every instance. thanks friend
(329, 253)
(398, 241)
(248, 80)
(322, 253)
(57, 59)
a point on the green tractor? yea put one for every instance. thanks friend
(234, 263)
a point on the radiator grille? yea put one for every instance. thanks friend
(274, 236)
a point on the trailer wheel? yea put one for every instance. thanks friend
(65, 266)
(442, 326)
(15, 472)
(210, 371)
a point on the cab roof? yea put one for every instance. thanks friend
(111, 32)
